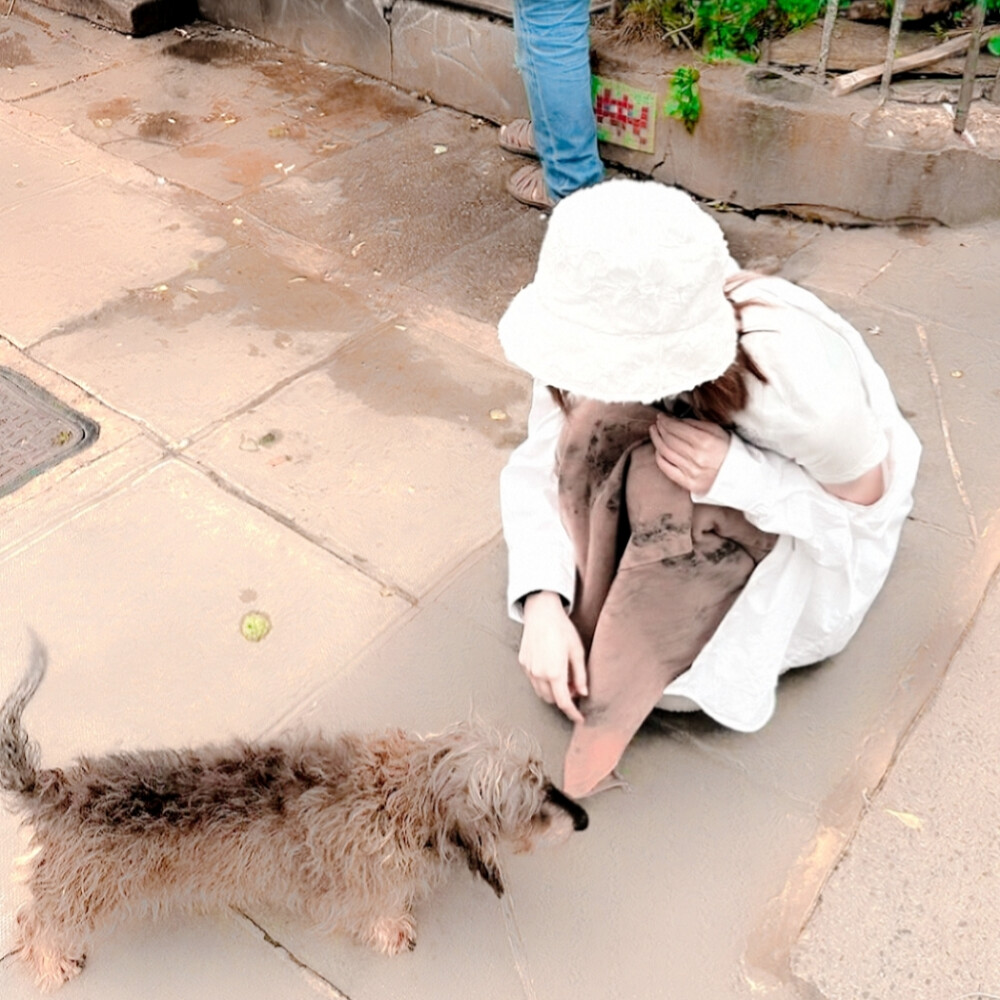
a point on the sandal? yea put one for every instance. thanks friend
(518, 137)
(527, 185)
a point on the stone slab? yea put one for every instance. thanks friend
(34, 58)
(910, 910)
(182, 96)
(462, 951)
(184, 354)
(30, 169)
(458, 58)
(482, 276)
(950, 280)
(351, 33)
(66, 30)
(414, 308)
(375, 437)
(393, 207)
(198, 958)
(131, 17)
(38, 292)
(756, 144)
(139, 598)
(763, 243)
(758, 152)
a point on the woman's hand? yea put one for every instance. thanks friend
(689, 452)
(552, 653)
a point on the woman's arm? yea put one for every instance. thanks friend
(867, 489)
(541, 565)
(539, 551)
(691, 452)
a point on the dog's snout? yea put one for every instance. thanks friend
(576, 812)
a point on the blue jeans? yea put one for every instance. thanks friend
(553, 55)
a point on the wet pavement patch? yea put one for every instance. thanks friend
(36, 431)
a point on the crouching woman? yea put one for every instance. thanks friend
(714, 481)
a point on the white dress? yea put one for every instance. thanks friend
(826, 414)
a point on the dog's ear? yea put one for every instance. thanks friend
(472, 848)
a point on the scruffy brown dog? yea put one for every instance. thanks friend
(348, 832)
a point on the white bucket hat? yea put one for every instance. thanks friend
(627, 304)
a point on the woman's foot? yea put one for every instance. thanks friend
(518, 137)
(527, 185)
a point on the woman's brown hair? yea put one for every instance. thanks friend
(716, 401)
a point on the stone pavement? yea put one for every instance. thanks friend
(274, 285)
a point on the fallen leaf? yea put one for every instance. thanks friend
(907, 819)
(439, 149)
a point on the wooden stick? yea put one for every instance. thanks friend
(889, 66)
(969, 75)
(850, 82)
(829, 22)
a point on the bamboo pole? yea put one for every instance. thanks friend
(969, 74)
(890, 56)
(829, 21)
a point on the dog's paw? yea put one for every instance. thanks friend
(53, 970)
(394, 934)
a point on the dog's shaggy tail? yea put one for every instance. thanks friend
(18, 754)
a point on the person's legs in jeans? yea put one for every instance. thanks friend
(553, 55)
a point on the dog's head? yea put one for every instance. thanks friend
(490, 788)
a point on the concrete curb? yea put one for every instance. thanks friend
(766, 140)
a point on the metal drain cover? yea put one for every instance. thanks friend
(36, 430)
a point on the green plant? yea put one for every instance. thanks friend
(725, 29)
(656, 19)
(684, 102)
(733, 28)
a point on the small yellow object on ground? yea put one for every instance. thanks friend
(254, 626)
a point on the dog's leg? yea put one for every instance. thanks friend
(54, 952)
(392, 935)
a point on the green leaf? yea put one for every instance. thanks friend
(684, 102)
(993, 45)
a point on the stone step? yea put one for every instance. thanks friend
(130, 17)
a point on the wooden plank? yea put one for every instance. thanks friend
(850, 82)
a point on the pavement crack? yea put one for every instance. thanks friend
(941, 529)
(237, 491)
(956, 469)
(516, 942)
(878, 274)
(318, 980)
